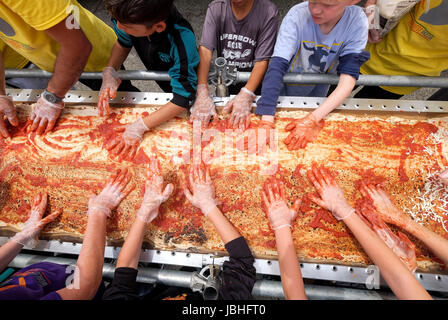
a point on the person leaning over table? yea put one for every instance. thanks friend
(416, 46)
(49, 281)
(58, 36)
(238, 274)
(316, 36)
(243, 32)
(331, 197)
(164, 41)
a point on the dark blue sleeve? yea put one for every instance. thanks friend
(52, 296)
(238, 274)
(272, 84)
(351, 63)
(123, 38)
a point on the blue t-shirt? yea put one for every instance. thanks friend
(308, 50)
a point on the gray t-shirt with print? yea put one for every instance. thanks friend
(241, 42)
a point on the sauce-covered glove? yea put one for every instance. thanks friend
(302, 131)
(278, 212)
(331, 195)
(203, 109)
(108, 90)
(7, 110)
(44, 116)
(125, 146)
(203, 196)
(154, 193)
(384, 206)
(112, 194)
(240, 105)
(35, 223)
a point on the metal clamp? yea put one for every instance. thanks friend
(222, 76)
(209, 284)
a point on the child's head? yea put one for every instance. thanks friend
(324, 11)
(140, 18)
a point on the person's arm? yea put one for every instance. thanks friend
(154, 196)
(74, 52)
(30, 232)
(291, 275)
(203, 109)
(126, 144)
(88, 274)
(280, 219)
(401, 281)
(238, 273)
(391, 214)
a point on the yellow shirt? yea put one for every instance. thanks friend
(417, 46)
(11, 59)
(23, 24)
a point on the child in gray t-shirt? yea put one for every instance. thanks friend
(244, 33)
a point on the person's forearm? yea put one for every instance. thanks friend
(90, 261)
(204, 64)
(342, 91)
(118, 56)
(130, 252)
(401, 281)
(291, 276)
(69, 65)
(8, 252)
(225, 229)
(437, 244)
(165, 113)
(257, 75)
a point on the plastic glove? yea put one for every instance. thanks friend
(264, 136)
(34, 225)
(384, 206)
(112, 194)
(274, 199)
(372, 13)
(302, 131)
(203, 108)
(444, 177)
(108, 90)
(7, 110)
(44, 116)
(126, 145)
(241, 106)
(331, 195)
(203, 196)
(154, 193)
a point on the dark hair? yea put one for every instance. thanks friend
(146, 12)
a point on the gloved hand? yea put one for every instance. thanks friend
(108, 90)
(35, 223)
(274, 199)
(372, 13)
(331, 195)
(444, 177)
(384, 206)
(203, 108)
(241, 105)
(302, 131)
(265, 135)
(112, 194)
(154, 193)
(203, 196)
(7, 110)
(44, 116)
(126, 145)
